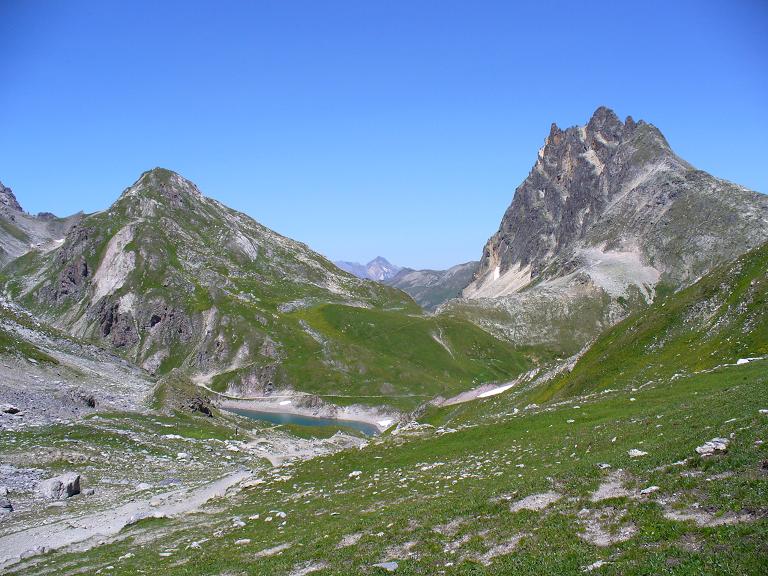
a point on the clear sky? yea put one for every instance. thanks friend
(364, 127)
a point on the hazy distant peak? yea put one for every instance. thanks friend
(379, 269)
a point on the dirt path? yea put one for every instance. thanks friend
(89, 529)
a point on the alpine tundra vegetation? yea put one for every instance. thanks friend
(352, 288)
(589, 397)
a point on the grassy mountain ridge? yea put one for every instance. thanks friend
(174, 280)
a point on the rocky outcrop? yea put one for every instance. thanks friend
(116, 326)
(8, 200)
(5, 503)
(607, 213)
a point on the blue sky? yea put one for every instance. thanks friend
(364, 127)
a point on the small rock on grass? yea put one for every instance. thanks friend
(714, 446)
(635, 453)
(388, 566)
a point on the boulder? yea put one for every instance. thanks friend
(60, 487)
(9, 409)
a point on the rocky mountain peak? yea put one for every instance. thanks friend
(607, 184)
(605, 120)
(381, 269)
(165, 186)
(8, 200)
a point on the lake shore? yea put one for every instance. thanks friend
(313, 407)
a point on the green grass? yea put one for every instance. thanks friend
(718, 320)
(668, 421)
(381, 356)
(10, 344)
(481, 455)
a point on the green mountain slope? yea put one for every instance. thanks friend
(551, 490)
(172, 279)
(719, 320)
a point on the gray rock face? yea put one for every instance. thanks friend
(5, 503)
(8, 200)
(607, 213)
(430, 288)
(60, 487)
(617, 187)
(21, 232)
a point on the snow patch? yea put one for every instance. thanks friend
(495, 391)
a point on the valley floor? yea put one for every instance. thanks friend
(606, 483)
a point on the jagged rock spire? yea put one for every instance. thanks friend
(610, 184)
(8, 200)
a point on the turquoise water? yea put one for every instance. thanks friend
(283, 418)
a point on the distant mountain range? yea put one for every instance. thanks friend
(379, 269)
(430, 288)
